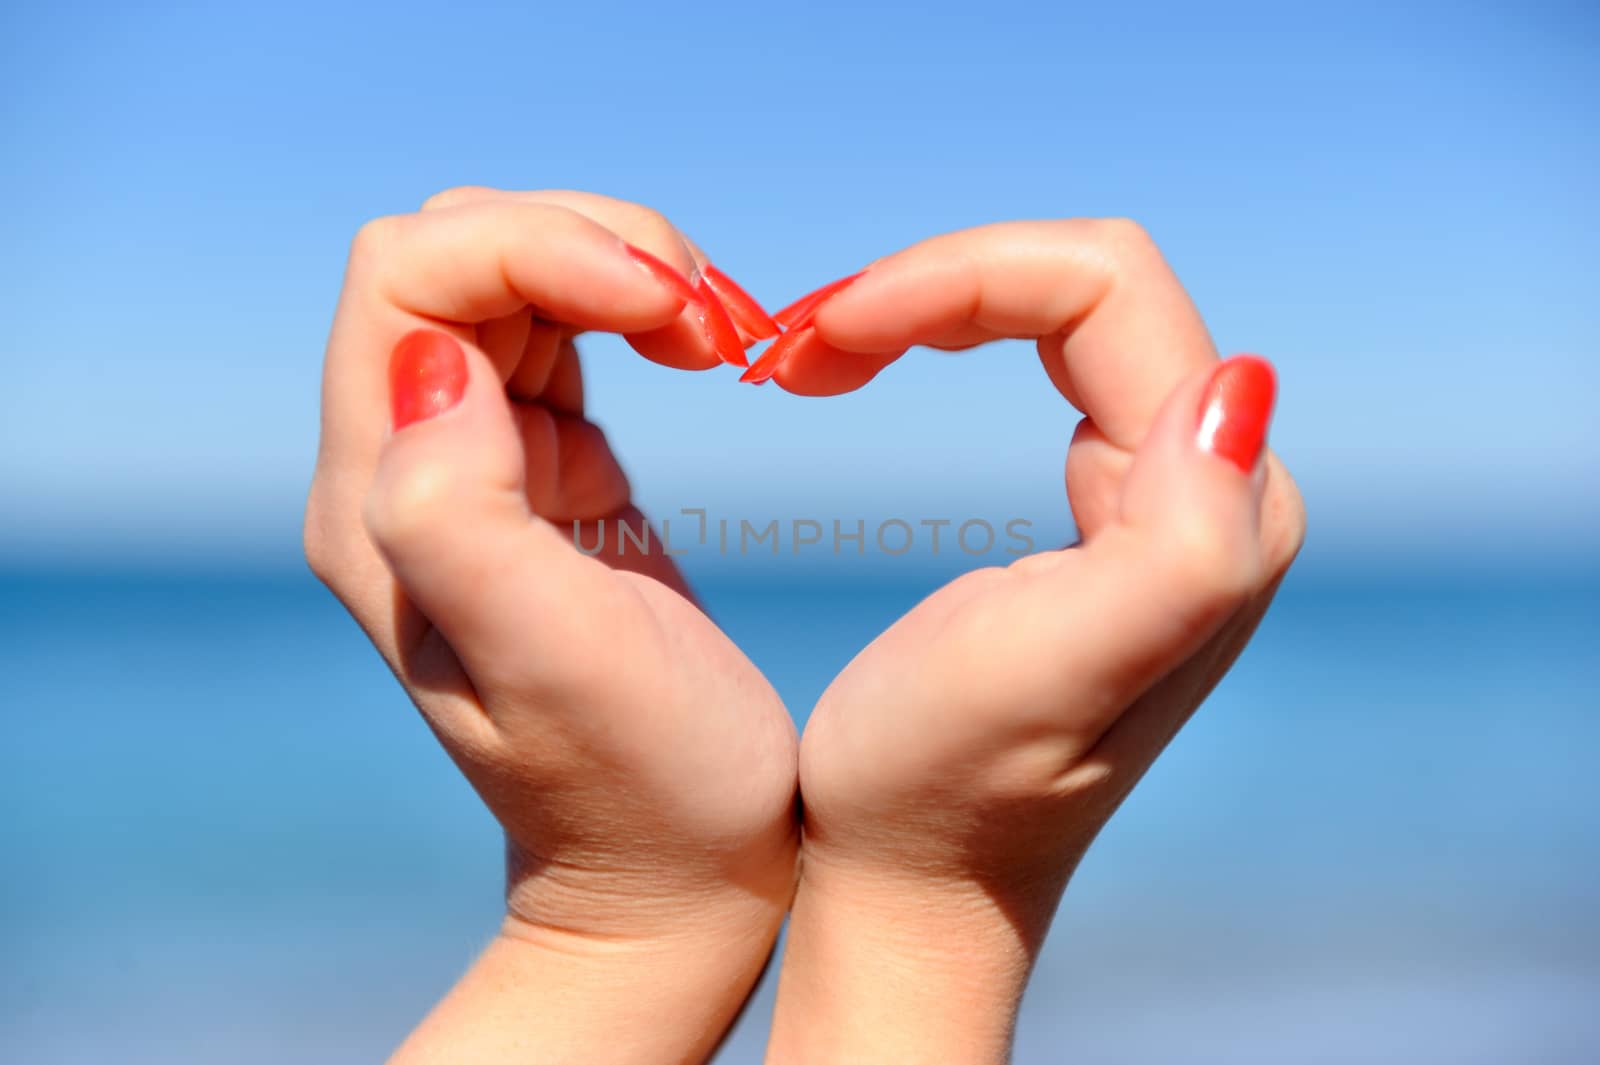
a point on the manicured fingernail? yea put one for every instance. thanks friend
(1236, 409)
(720, 331)
(664, 273)
(763, 368)
(799, 313)
(427, 376)
(742, 307)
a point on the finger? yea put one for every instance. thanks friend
(469, 264)
(718, 325)
(1094, 475)
(570, 471)
(1141, 732)
(533, 364)
(1095, 471)
(447, 510)
(564, 390)
(1115, 329)
(1181, 557)
(504, 340)
(752, 319)
(485, 260)
(706, 336)
(479, 259)
(803, 363)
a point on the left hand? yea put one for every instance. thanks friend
(956, 770)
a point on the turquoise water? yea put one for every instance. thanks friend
(227, 837)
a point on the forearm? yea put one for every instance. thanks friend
(872, 973)
(552, 998)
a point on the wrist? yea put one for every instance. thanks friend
(899, 968)
(719, 897)
(543, 994)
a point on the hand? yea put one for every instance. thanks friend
(955, 772)
(642, 768)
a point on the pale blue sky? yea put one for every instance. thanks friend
(1397, 206)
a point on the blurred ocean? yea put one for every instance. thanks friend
(226, 837)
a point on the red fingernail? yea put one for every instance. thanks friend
(664, 273)
(719, 327)
(742, 307)
(1237, 409)
(427, 376)
(762, 370)
(799, 313)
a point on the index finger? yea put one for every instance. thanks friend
(458, 266)
(1115, 329)
(477, 261)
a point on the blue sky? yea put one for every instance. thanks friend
(1396, 206)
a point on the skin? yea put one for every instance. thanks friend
(642, 768)
(956, 771)
(645, 773)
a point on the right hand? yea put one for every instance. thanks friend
(643, 769)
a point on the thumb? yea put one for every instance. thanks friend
(1192, 495)
(1182, 552)
(448, 510)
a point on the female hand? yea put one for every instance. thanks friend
(642, 768)
(956, 770)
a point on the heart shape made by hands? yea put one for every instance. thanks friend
(659, 749)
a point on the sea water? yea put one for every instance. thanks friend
(225, 836)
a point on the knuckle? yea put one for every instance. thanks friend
(982, 614)
(974, 583)
(455, 196)
(1124, 234)
(373, 239)
(655, 232)
(405, 505)
(647, 217)
(1211, 563)
(1125, 242)
(1294, 514)
(1284, 521)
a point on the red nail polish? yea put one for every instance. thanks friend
(719, 327)
(427, 376)
(1237, 408)
(663, 273)
(767, 365)
(742, 307)
(799, 313)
